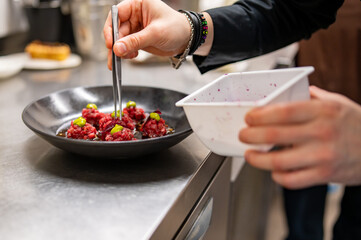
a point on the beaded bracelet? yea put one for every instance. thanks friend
(176, 61)
(204, 28)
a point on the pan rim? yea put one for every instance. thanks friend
(186, 131)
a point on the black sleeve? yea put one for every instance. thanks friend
(250, 28)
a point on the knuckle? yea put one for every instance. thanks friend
(285, 180)
(285, 111)
(327, 155)
(326, 173)
(250, 158)
(271, 135)
(331, 108)
(134, 41)
(325, 131)
(276, 163)
(324, 156)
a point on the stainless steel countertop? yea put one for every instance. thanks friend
(46, 193)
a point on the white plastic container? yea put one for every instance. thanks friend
(216, 111)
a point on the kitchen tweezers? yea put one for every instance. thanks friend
(116, 66)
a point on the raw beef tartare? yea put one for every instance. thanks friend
(154, 126)
(133, 125)
(80, 129)
(91, 114)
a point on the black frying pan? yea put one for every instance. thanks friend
(53, 113)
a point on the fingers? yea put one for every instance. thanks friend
(323, 95)
(299, 179)
(125, 10)
(288, 134)
(129, 56)
(107, 31)
(292, 168)
(318, 92)
(110, 59)
(287, 159)
(296, 112)
(124, 29)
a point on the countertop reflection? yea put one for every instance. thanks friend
(46, 193)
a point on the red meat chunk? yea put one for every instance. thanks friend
(92, 116)
(134, 113)
(127, 122)
(153, 128)
(107, 122)
(85, 132)
(124, 135)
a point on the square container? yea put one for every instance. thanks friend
(216, 111)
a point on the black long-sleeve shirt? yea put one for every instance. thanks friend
(250, 28)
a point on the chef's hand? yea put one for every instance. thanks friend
(150, 25)
(324, 134)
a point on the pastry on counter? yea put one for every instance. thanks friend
(52, 51)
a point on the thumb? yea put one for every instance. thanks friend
(133, 43)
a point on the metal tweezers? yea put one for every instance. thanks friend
(116, 66)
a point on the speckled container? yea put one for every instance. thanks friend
(216, 111)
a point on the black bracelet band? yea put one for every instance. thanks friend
(200, 29)
(197, 29)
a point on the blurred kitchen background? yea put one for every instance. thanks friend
(78, 23)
